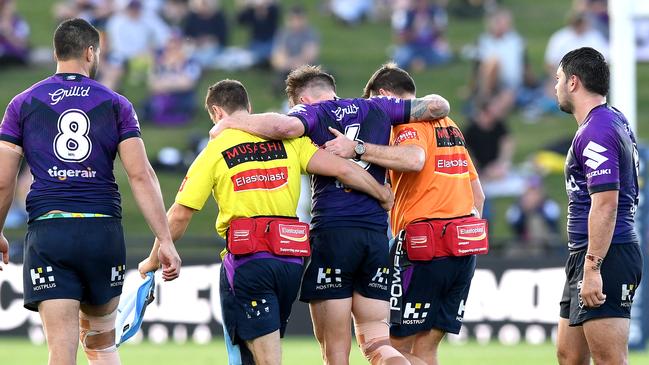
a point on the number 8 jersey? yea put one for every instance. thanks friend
(69, 127)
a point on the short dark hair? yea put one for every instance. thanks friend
(73, 37)
(307, 76)
(228, 94)
(590, 67)
(390, 77)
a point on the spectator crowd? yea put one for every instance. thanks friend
(167, 45)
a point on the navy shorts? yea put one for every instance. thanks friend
(74, 258)
(257, 295)
(621, 274)
(344, 260)
(435, 295)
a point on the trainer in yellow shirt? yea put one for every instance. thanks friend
(250, 177)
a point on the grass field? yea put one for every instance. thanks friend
(296, 351)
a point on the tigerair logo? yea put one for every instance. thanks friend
(593, 152)
(42, 278)
(260, 179)
(404, 135)
(415, 313)
(64, 174)
(380, 279)
(117, 275)
(328, 278)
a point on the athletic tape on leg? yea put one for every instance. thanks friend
(97, 337)
(374, 341)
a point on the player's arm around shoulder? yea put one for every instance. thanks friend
(430, 107)
(405, 158)
(266, 125)
(147, 194)
(350, 174)
(10, 156)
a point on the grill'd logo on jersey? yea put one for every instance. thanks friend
(260, 179)
(251, 151)
(404, 135)
(61, 94)
(449, 137)
(340, 112)
(453, 164)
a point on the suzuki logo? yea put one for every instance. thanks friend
(592, 151)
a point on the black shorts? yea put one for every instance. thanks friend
(74, 258)
(621, 274)
(344, 260)
(257, 296)
(435, 295)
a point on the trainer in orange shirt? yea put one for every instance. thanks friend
(433, 178)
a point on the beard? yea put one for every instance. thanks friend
(566, 107)
(93, 68)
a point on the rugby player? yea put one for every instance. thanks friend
(254, 177)
(348, 273)
(605, 263)
(69, 129)
(428, 162)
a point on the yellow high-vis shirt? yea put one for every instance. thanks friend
(248, 176)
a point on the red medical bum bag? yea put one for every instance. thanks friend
(278, 235)
(463, 236)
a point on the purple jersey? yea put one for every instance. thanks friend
(369, 120)
(603, 156)
(69, 127)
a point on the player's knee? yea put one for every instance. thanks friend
(567, 356)
(97, 337)
(609, 356)
(374, 342)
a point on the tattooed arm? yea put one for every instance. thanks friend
(430, 107)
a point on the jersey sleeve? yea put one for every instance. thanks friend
(398, 110)
(305, 149)
(199, 181)
(473, 173)
(410, 135)
(10, 128)
(308, 115)
(127, 124)
(598, 154)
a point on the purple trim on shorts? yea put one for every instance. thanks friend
(231, 262)
(407, 277)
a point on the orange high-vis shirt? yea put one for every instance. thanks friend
(442, 189)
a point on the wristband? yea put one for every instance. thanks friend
(596, 259)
